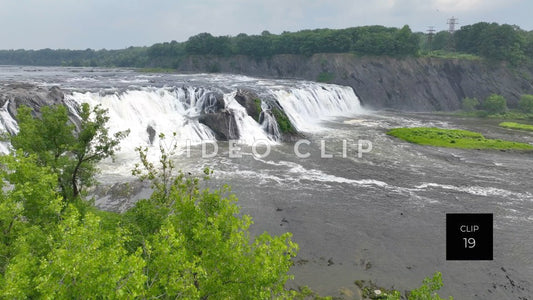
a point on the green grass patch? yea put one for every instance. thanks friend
(451, 55)
(514, 125)
(509, 115)
(512, 115)
(454, 138)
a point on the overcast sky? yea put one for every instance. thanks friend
(116, 24)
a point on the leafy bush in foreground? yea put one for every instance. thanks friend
(184, 241)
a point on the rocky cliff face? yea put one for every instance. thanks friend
(17, 94)
(414, 84)
(14, 95)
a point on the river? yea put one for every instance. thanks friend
(375, 210)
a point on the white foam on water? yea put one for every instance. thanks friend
(161, 109)
(249, 130)
(308, 104)
(476, 190)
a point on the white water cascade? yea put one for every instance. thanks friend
(7, 124)
(148, 111)
(249, 130)
(165, 110)
(311, 103)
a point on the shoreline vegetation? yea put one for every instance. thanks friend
(454, 138)
(495, 107)
(519, 126)
(490, 42)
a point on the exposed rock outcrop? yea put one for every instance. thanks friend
(415, 84)
(151, 133)
(250, 101)
(18, 94)
(222, 123)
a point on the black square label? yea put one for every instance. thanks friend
(469, 236)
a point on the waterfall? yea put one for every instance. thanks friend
(164, 110)
(249, 130)
(198, 113)
(7, 125)
(269, 124)
(311, 103)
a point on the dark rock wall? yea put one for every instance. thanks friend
(17, 94)
(414, 84)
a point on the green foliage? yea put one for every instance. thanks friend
(304, 292)
(284, 123)
(129, 57)
(258, 107)
(445, 54)
(201, 246)
(370, 290)
(495, 104)
(508, 115)
(482, 113)
(205, 43)
(29, 210)
(512, 115)
(441, 40)
(493, 41)
(88, 261)
(366, 40)
(428, 289)
(184, 242)
(453, 138)
(513, 125)
(29, 180)
(470, 104)
(71, 154)
(526, 104)
(51, 251)
(325, 77)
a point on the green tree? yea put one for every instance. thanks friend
(406, 42)
(493, 41)
(202, 247)
(88, 261)
(526, 104)
(495, 104)
(29, 212)
(469, 104)
(47, 251)
(440, 40)
(71, 154)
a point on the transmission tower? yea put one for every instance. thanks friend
(451, 29)
(431, 33)
(451, 24)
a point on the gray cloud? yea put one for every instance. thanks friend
(111, 24)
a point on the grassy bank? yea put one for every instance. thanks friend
(509, 115)
(454, 138)
(513, 125)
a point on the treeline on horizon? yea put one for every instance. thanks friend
(490, 41)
